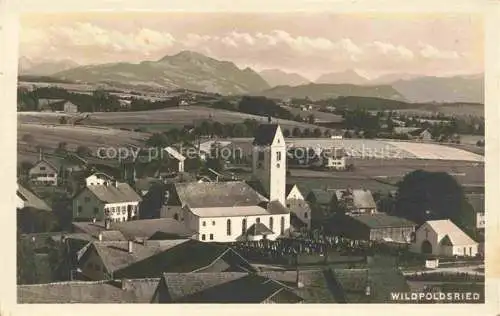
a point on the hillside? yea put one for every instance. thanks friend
(28, 67)
(186, 70)
(345, 77)
(442, 89)
(276, 77)
(317, 91)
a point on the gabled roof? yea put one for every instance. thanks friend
(48, 163)
(446, 228)
(31, 200)
(361, 198)
(143, 228)
(225, 288)
(217, 194)
(259, 229)
(322, 196)
(174, 153)
(130, 291)
(123, 192)
(264, 135)
(383, 221)
(289, 188)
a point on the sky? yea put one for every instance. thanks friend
(310, 44)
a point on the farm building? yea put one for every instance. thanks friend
(334, 158)
(30, 209)
(27, 199)
(69, 107)
(43, 172)
(98, 178)
(115, 201)
(172, 152)
(48, 105)
(376, 227)
(322, 198)
(443, 238)
(355, 202)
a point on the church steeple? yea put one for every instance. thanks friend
(269, 161)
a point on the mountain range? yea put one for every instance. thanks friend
(276, 77)
(195, 71)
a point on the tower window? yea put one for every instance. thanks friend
(271, 223)
(261, 155)
(257, 220)
(228, 228)
(282, 228)
(278, 156)
(243, 226)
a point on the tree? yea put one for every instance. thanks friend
(424, 195)
(286, 132)
(25, 167)
(157, 140)
(480, 143)
(63, 120)
(327, 133)
(317, 132)
(296, 132)
(311, 119)
(26, 267)
(62, 148)
(28, 138)
(306, 132)
(83, 151)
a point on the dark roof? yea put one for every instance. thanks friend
(322, 196)
(382, 220)
(144, 228)
(133, 291)
(217, 194)
(258, 229)
(31, 200)
(264, 135)
(156, 256)
(122, 192)
(476, 201)
(225, 288)
(275, 207)
(360, 198)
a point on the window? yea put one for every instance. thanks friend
(176, 217)
(257, 220)
(243, 226)
(51, 175)
(204, 223)
(213, 223)
(42, 168)
(277, 165)
(228, 227)
(124, 208)
(124, 211)
(278, 156)
(86, 199)
(211, 236)
(271, 223)
(203, 237)
(79, 209)
(261, 155)
(305, 214)
(282, 225)
(96, 210)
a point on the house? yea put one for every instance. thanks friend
(375, 227)
(334, 158)
(421, 134)
(144, 229)
(443, 238)
(99, 178)
(220, 211)
(32, 212)
(44, 172)
(26, 199)
(48, 105)
(69, 107)
(177, 156)
(355, 202)
(322, 198)
(477, 203)
(115, 201)
(103, 260)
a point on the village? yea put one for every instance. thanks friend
(151, 240)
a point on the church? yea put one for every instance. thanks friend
(236, 211)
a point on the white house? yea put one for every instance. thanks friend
(443, 238)
(297, 204)
(114, 201)
(69, 107)
(334, 158)
(43, 172)
(177, 156)
(98, 178)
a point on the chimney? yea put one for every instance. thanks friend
(130, 246)
(99, 237)
(107, 224)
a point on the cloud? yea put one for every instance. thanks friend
(397, 51)
(431, 52)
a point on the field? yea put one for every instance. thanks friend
(49, 136)
(318, 115)
(384, 149)
(159, 119)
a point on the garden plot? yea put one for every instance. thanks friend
(436, 152)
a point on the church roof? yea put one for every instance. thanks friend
(264, 135)
(259, 229)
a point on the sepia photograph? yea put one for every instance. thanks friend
(251, 157)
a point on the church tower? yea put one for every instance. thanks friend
(269, 161)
